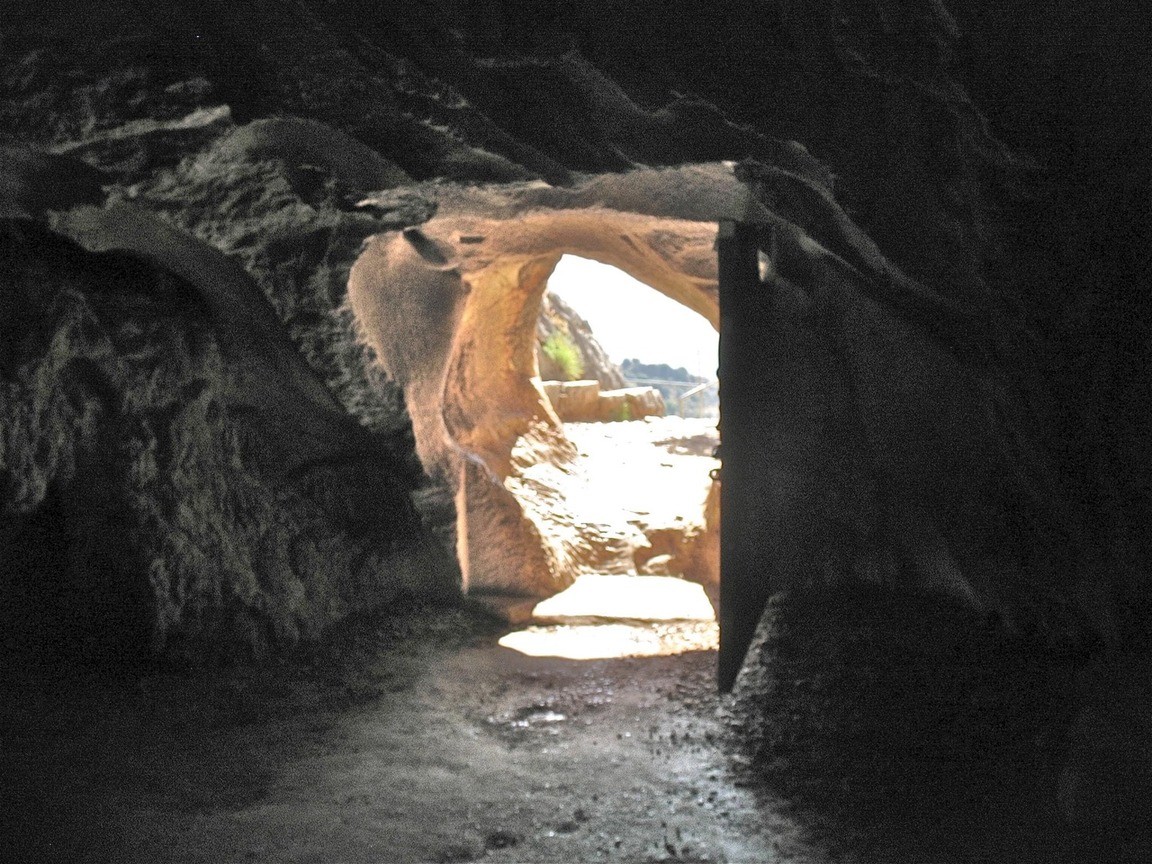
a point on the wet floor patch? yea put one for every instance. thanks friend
(488, 755)
(527, 717)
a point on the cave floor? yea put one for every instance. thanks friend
(419, 739)
(416, 740)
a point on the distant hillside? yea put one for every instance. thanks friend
(633, 368)
(702, 404)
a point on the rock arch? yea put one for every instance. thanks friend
(885, 450)
(450, 309)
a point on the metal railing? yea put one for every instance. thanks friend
(694, 388)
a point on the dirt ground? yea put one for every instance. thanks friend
(414, 740)
(419, 739)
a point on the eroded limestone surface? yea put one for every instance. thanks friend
(175, 476)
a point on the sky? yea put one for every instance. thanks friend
(629, 319)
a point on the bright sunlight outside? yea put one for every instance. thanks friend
(631, 320)
(649, 474)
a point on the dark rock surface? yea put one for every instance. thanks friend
(176, 478)
(198, 451)
(911, 732)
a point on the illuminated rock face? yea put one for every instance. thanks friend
(594, 363)
(585, 402)
(468, 284)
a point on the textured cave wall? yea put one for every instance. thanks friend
(1075, 257)
(175, 478)
(235, 122)
(430, 88)
(983, 413)
(868, 87)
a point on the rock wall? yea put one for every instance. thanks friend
(176, 479)
(468, 284)
(953, 348)
(882, 449)
(286, 134)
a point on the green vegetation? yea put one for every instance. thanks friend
(564, 353)
(623, 413)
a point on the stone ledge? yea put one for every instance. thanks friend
(585, 402)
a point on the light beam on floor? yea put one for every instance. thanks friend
(602, 616)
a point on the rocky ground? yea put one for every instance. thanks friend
(415, 738)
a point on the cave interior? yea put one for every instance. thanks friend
(270, 383)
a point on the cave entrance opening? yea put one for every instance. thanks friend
(451, 309)
(632, 376)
